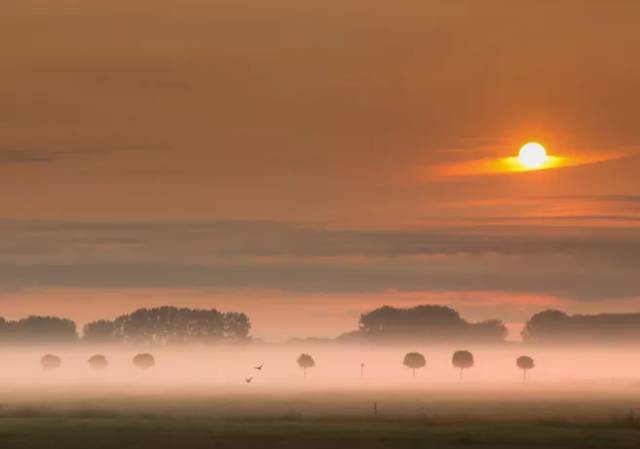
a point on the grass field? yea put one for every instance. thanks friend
(330, 419)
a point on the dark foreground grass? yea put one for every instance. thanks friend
(323, 423)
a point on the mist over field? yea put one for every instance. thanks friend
(225, 368)
(200, 397)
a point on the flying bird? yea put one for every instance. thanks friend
(259, 368)
(248, 380)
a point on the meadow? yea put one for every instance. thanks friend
(128, 418)
(199, 398)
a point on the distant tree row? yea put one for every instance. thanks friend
(170, 325)
(554, 326)
(38, 329)
(424, 323)
(51, 362)
(161, 326)
(462, 360)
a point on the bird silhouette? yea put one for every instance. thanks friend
(259, 368)
(248, 380)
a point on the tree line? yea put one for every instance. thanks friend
(555, 326)
(425, 323)
(430, 323)
(161, 325)
(461, 360)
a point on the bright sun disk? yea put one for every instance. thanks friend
(532, 155)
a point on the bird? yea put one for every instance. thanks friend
(259, 368)
(248, 380)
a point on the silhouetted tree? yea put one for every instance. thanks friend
(462, 360)
(38, 329)
(101, 331)
(425, 323)
(361, 370)
(550, 325)
(306, 361)
(50, 362)
(98, 362)
(432, 322)
(554, 326)
(144, 361)
(489, 331)
(414, 360)
(525, 363)
(235, 326)
(172, 325)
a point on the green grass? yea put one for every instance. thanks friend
(313, 420)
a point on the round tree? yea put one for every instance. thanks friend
(462, 360)
(98, 362)
(144, 361)
(306, 361)
(525, 363)
(50, 362)
(414, 360)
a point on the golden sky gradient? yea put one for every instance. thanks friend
(201, 141)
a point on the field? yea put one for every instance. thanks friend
(198, 398)
(304, 418)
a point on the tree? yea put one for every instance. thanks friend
(421, 322)
(430, 323)
(101, 331)
(171, 325)
(41, 328)
(235, 326)
(306, 361)
(98, 362)
(462, 360)
(549, 325)
(554, 326)
(144, 361)
(50, 362)
(525, 363)
(414, 360)
(489, 331)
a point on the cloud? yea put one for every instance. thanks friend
(577, 263)
(511, 164)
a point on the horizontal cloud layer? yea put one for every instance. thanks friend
(577, 263)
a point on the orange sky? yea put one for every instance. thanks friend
(317, 152)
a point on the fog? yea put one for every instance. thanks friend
(224, 369)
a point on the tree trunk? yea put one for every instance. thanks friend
(304, 372)
(414, 372)
(524, 375)
(461, 375)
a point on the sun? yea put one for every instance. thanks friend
(532, 155)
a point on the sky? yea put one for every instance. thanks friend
(307, 161)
